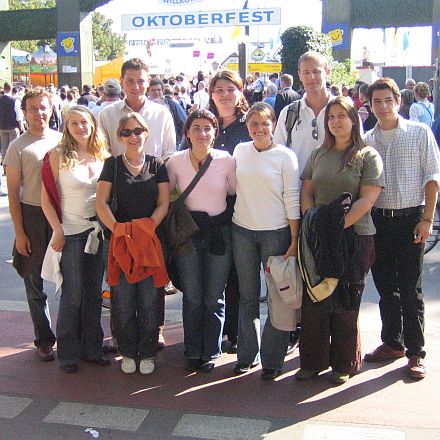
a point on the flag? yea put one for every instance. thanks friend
(196, 53)
(210, 56)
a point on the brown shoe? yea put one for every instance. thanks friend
(46, 353)
(384, 353)
(416, 367)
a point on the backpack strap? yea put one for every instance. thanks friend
(291, 119)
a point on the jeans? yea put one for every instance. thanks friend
(79, 332)
(135, 317)
(39, 309)
(251, 249)
(203, 276)
(397, 274)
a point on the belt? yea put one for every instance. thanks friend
(404, 212)
(92, 219)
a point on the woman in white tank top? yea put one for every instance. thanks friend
(76, 165)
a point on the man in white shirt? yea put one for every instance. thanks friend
(201, 97)
(403, 215)
(308, 130)
(161, 140)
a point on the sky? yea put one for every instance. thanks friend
(386, 49)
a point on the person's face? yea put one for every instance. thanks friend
(260, 128)
(225, 95)
(313, 76)
(135, 84)
(201, 133)
(78, 126)
(339, 123)
(384, 105)
(38, 112)
(155, 92)
(137, 135)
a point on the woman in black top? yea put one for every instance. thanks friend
(142, 190)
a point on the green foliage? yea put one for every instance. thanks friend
(298, 40)
(342, 73)
(31, 45)
(107, 43)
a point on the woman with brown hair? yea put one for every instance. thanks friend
(343, 163)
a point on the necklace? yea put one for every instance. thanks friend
(134, 166)
(199, 161)
(263, 149)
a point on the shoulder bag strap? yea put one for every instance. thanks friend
(115, 174)
(196, 179)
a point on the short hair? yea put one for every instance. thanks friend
(156, 81)
(384, 84)
(34, 93)
(133, 115)
(7, 87)
(312, 55)
(263, 109)
(363, 88)
(200, 114)
(287, 79)
(271, 89)
(133, 64)
(410, 81)
(422, 89)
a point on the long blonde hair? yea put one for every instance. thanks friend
(96, 145)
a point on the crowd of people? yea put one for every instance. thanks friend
(153, 185)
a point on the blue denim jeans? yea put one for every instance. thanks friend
(39, 309)
(79, 332)
(251, 249)
(135, 317)
(203, 276)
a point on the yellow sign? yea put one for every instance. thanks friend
(258, 67)
(337, 36)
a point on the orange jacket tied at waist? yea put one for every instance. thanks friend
(135, 249)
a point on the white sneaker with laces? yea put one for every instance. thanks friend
(128, 365)
(146, 366)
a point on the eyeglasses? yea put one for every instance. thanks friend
(315, 129)
(127, 132)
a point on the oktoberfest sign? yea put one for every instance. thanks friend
(173, 20)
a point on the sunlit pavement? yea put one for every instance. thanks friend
(39, 401)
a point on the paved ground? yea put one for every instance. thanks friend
(39, 401)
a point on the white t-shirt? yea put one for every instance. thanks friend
(267, 187)
(201, 98)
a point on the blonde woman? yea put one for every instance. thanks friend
(76, 165)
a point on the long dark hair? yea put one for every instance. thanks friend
(228, 75)
(356, 141)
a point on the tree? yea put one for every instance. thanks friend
(298, 40)
(342, 73)
(31, 45)
(108, 44)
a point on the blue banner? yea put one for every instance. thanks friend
(68, 44)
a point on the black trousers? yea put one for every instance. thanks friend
(397, 274)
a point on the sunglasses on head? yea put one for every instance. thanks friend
(127, 132)
(315, 129)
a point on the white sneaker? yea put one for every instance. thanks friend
(146, 366)
(128, 365)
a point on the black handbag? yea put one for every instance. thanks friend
(179, 223)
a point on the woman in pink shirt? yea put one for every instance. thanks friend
(204, 271)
